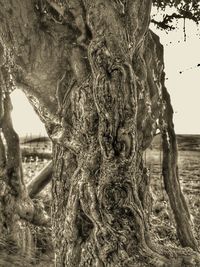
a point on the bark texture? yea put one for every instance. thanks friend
(94, 73)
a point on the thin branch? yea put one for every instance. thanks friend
(2, 156)
(2, 148)
(164, 24)
(58, 8)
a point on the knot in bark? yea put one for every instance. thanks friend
(25, 208)
(115, 195)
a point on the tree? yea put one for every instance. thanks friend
(94, 73)
(182, 9)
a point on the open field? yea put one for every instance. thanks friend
(186, 142)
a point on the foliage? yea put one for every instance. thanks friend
(182, 9)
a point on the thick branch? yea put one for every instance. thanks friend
(40, 180)
(14, 162)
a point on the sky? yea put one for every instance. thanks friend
(180, 56)
(25, 120)
(183, 74)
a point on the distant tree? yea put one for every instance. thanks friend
(181, 9)
(94, 73)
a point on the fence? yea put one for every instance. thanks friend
(35, 148)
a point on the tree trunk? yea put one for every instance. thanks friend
(16, 208)
(94, 73)
(171, 179)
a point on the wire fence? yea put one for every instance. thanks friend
(35, 148)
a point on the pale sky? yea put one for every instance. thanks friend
(183, 56)
(184, 88)
(25, 120)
